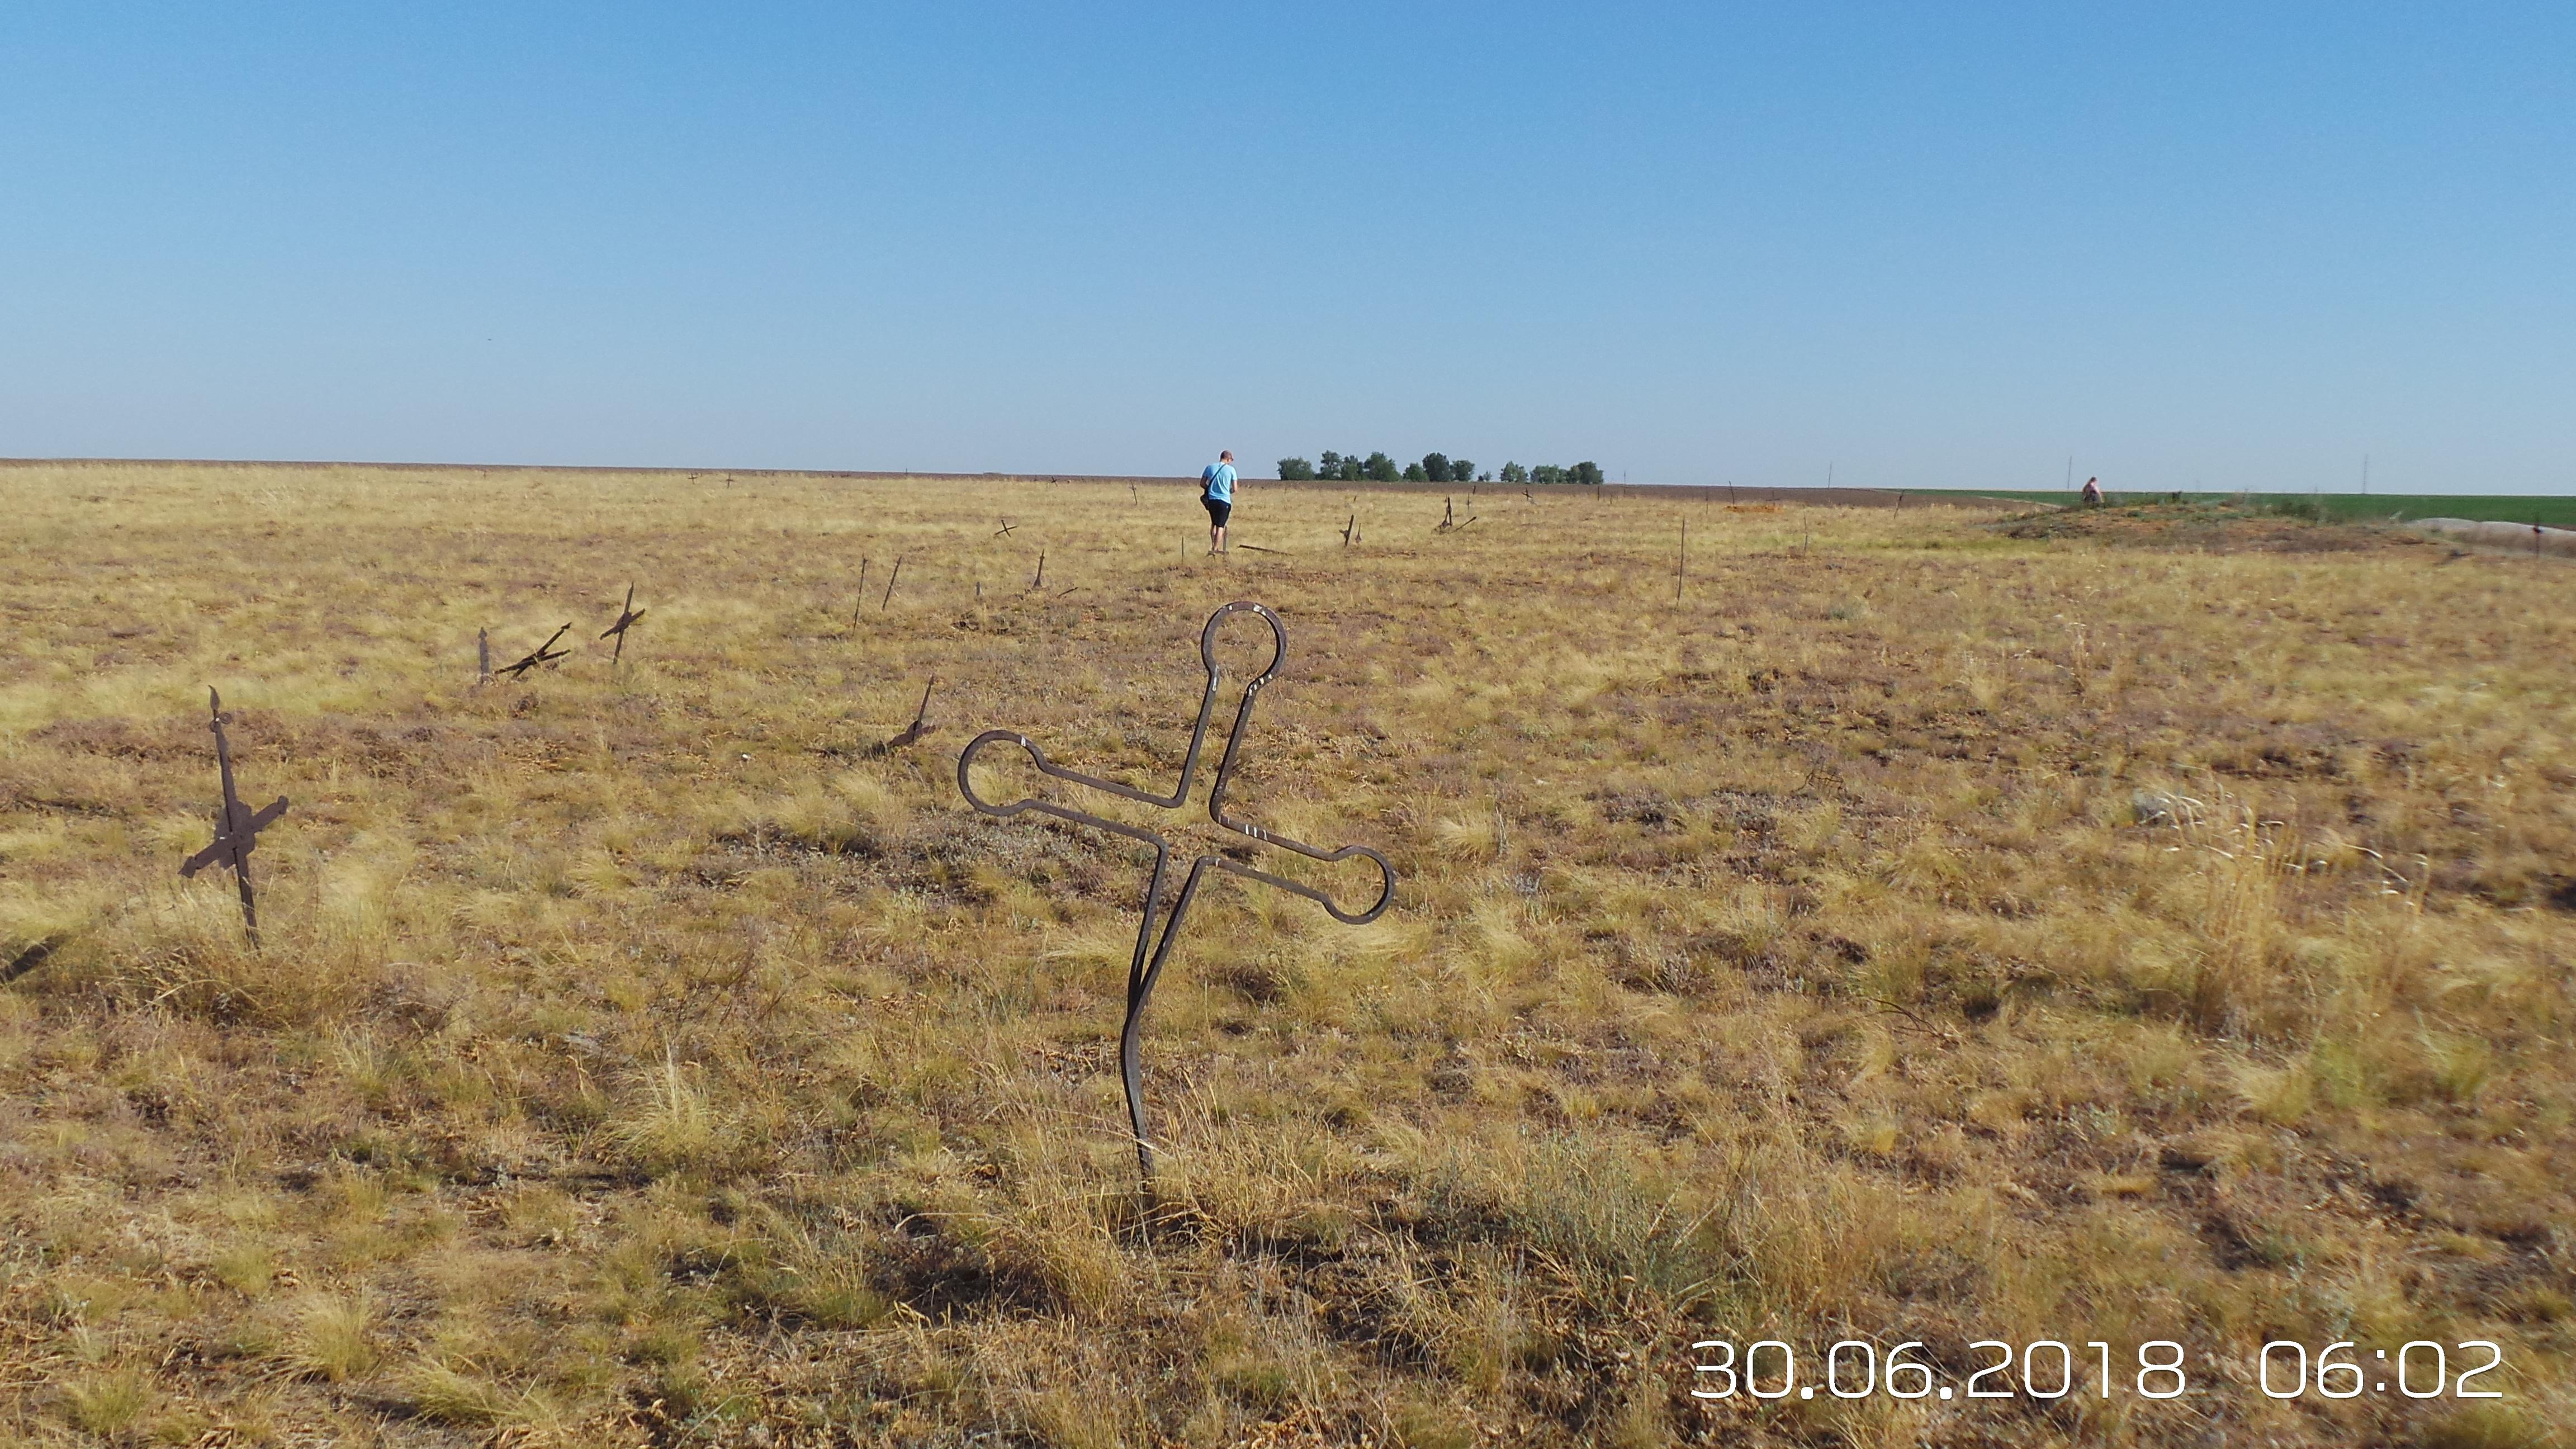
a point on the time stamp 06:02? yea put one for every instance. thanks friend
(2046, 1369)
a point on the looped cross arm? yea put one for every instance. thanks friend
(1037, 757)
(1278, 642)
(1377, 908)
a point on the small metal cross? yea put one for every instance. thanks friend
(237, 829)
(1145, 966)
(545, 653)
(627, 617)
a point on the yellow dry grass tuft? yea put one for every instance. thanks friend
(332, 1337)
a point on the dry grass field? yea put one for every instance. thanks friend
(1931, 929)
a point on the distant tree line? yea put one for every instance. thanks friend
(1434, 468)
(1587, 473)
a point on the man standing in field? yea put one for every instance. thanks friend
(1216, 490)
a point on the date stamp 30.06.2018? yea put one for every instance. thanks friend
(1770, 1369)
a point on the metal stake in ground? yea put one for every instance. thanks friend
(237, 828)
(483, 654)
(545, 653)
(627, 617)
(912, 733)
(1153, 949)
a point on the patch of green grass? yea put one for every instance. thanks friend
(2552, 511)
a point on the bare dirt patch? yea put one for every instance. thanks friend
(2212, 528)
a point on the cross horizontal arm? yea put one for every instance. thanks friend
(966, 786)
(235, 838)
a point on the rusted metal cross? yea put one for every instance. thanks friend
(1153, 947)
(627, 617)
(545, 653)
(237, 828)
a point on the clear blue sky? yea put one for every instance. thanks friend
(1929, 245)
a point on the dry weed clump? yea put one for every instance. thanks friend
(1927, 931)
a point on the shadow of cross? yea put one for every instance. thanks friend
(1153, 948)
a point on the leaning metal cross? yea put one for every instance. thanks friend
(237, 829)
(545, 653)
(627, 616)
(1145, 967)
(912, 733)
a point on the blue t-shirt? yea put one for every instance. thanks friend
(1217, 482)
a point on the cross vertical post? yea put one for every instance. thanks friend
(911, 734)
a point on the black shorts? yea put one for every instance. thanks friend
(1219, 510)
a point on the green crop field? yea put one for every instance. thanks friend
(2556, 512)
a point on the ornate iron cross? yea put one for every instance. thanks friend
(1145, 967)
(237, 829)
